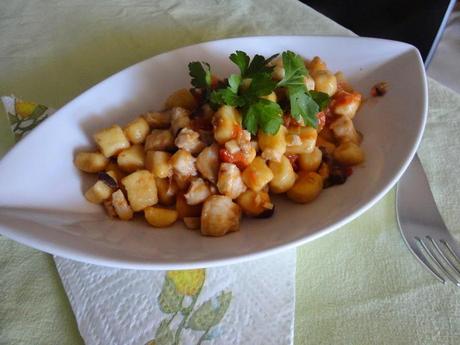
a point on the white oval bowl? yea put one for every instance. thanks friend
(41, 194)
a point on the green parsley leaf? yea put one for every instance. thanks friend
(234, 82)
(321, 98)
(303, 106)
(250, 68)
(294, 70)
(241, 59)
(261, 84)
(226, 96)
(200, 73)
(263, 114)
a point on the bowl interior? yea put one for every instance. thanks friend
(41, 200)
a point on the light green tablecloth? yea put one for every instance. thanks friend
(359, 285)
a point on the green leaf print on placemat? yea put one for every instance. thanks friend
(178, 299)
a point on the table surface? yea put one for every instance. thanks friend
(359, 285)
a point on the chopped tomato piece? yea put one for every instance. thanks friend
(236, 158)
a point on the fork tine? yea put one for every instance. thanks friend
(451, 264)
(453, 249)
(422, 259)
(440, 265)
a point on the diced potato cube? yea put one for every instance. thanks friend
(121, 206)
(183, 163)
(307, 187)
(98, 193)
(273, 146)
(181, 98)
(229, 181)
(346, 103)
(137, 130)
(111, 140)
(158, 163)
(197, 192)
(255, 204)
(310, 161)
(192, 223)
(344, 130)
(141, 188)
(160, 217)
(283, 175)
(300, 140)
(189, 140)
(348, 153)
(157, 120)
(207, 162)
(132, 158)
(219, 216)
(316, 64)
(91, 162)
(325, 82)
(227, 124)
(186, 210)
(167, 191)
(159, 140)
(180, 118)
(257, 175)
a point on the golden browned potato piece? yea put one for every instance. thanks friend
(307, 187)
(181, 98)
(159, 140)
(310, 161)
(273, 147)
(91, 162)
(346, 103)
(316, 64)
(229, 181)
(300, 140)
(98, 193)
(227, 123)
(167, 191)
(158, 163)
(255, 204)
(183, 163)
(158, 120)
(160, 217)
(197, 192)
(121, 206)
(207, 162)
(325, 82)
(219, 216)
(132, 158)
(180, 118)
(111, 140)
(257, 175)
(137, 130)
(348, 153)
(192, 223)
(283, 175)
(186, 210)
(344, 130)
(141, 189)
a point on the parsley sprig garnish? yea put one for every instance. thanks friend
(255, 76)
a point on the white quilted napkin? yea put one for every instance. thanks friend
(249, 303)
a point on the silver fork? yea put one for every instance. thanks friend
(422, 227)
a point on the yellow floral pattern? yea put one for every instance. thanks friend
(187, 282)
